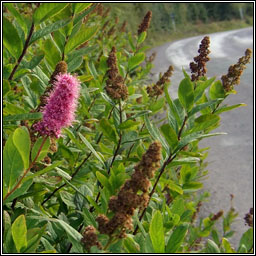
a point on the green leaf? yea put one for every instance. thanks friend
(92, 69)
(178, 206)
(63, 174)
(20, 19)
(79, 7)
(47, 10)
(224, 109)
(192, 186)
(186, 94)
(41, 172)
(88, 144)
(201, 86)
(108, 130)
(75, 63)
(44, 149)
(48, 29)
(175, 187)
(34, 62)
(170, 135)
(200, 107)
(212, 247)
(130, 245)
(67, 198)
(136, 60)
(216, 90)
(52, 54)
(20, 191)
(187, 160)
(247, 239)
(128, 124)
(19, 232)
(204, 122)
(83, 36)
(104, 181)
(82, 15)
(154, 132)
(6, 87)
(142, 37)
(176, 238)
(11, 39)
(21, 140)
(12, 163)
(242, 249)
(227, 246)
(156, 232)
(156, 106)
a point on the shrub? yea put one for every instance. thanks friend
(86, 169)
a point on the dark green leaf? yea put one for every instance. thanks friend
(79, 7)
(34, 62)
(186, 94)
(176, 238)
(104, 181)
(88, 144)
(48, 29)
(67, 198)
(199, 107)
(47, 10)
(108, 130)
(11, 39)
(201, 86)
(170, 135)
(52, 54)
(247, 239)
(156, 232)
(83, 36)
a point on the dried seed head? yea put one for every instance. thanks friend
(198, 68)
(217, 215)
(235, 71)
(145, 23)
(115, 87)
(122, 29)
(158, 88)
(249, 218)
(111, 31)
(90, 238)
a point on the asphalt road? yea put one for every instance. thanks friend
(230, 160)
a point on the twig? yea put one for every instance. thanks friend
(26, 45)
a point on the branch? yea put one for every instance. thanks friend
(26, 45)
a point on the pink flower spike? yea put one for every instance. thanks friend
(59, 112)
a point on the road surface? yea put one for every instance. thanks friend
(230, 160)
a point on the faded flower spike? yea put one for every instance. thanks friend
(60, 108)
(115, 87)
(145, 23)
(235, 71)
(198, 68)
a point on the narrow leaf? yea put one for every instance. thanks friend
(186, 94)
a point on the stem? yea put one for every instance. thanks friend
(78, 168)
(26, 45)
(26, 171)
(182, 127)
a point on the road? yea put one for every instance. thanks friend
(230, 160)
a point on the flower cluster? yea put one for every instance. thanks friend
(61, 68)
(115, 87)
(60, 107)
(90, 238)
(158, 88)
(198, 68)
(217, 215)
(145, 23)
(235, 71)
(128, 199)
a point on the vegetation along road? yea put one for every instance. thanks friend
(230, 160)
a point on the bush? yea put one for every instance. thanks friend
(86, 169)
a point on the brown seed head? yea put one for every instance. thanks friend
(90, 238)
(145, 23)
